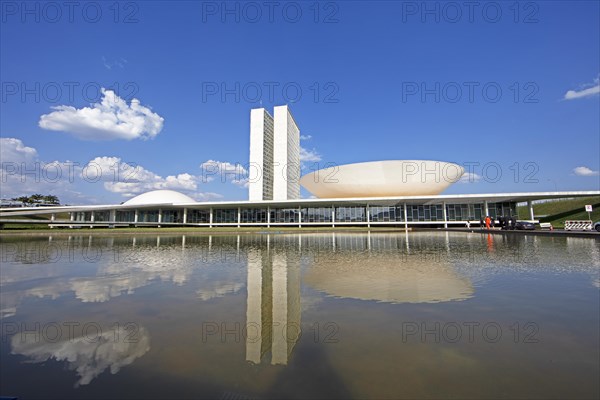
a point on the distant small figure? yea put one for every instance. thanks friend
(468, 224)
(488, 220)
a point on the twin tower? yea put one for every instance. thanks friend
(275, 152)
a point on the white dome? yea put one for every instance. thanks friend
(159, 197)
(383, 179)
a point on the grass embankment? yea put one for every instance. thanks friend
(26, 226)
(60, 217)
(557, 212)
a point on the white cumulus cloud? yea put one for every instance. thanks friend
(469, 177)
(129, 179)
(13, 150)
(309, 155)
(224, 171)
(586, 91)
(110, 119)
(23, 173)
(584, 171)
(206, 196)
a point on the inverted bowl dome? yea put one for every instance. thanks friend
(383, 179)
(159, 197)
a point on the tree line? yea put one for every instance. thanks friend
(38, 199)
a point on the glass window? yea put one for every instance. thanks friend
(350, 214)
(148, 216)
(284, 215)
(224, 215)
(172, 216)
(198, 216)
(254, 215)
(381, 214)
(101, 216)
(125, 216)
(316, 214)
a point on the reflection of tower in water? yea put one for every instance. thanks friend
(273, 313)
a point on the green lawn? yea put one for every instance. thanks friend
(557, 212)
(25, 227)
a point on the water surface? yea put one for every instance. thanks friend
(385, 315)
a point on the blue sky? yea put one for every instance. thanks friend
(504, 86)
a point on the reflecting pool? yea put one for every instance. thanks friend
(365, 315)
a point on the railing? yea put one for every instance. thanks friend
(578, 225)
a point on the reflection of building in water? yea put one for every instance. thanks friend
(259, 314)
(273, 313)
(390, 282)
(98, 269)
(389, 271)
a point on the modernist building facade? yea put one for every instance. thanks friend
(168, 208)
(275, 154)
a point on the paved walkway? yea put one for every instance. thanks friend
(555, 232)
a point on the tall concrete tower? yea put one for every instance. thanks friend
(261, 155)
(274, 155)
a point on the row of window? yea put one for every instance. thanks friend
(476, 212)
(422, 213)
(425, 212)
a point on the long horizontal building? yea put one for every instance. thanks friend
(374, 193)
(169, 208)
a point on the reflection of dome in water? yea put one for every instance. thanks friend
(389, 281)
(159, 197)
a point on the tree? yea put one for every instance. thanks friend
(38, 198)
(51, 199)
